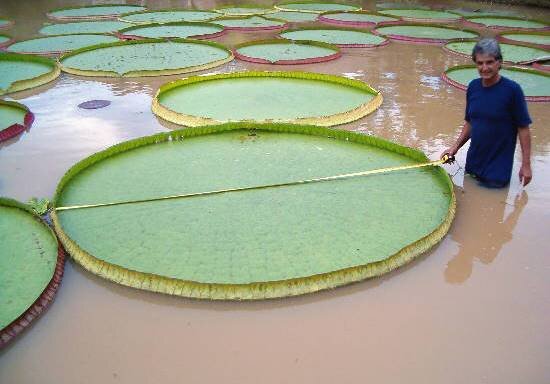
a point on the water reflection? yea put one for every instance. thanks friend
(484, 227)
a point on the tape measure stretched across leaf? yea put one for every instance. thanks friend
(253, 244)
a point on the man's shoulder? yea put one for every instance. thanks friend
(473, 85)
(509, 83)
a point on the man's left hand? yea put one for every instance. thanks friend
(525, 174)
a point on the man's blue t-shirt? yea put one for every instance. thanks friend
(495, 113)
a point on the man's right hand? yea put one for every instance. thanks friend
(450, 153)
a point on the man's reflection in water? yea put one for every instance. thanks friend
(483, 226)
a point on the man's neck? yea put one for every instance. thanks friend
(491, 81)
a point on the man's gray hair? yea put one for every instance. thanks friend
(489, 47)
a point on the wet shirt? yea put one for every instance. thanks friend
(495, 113)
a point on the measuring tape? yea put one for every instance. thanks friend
(435, 163)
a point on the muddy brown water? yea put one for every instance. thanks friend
(475, 309)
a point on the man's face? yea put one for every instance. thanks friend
(487, 66)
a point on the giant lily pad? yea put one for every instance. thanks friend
(148, 57)
(19, 72)
(93, 11)
(256, 243)
(265, 96)
(59, 44)
(351, 38)
(31, 267)
(535, 84)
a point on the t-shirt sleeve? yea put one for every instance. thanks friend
(519, 108)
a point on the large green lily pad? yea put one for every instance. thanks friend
(508, 22)
(28, 259)
(150, 57)
(316, 6)
(422, 14)
(264, 97)
(19, 72)
(338, 36)
(59, 44)
(510, 52)
(535, 84)
(168, 16)
(180, 30)
(83, 27)
(420, 32)
(253, 244)
(94, 11)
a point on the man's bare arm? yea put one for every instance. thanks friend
(525, 173)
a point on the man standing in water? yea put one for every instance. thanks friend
(496, 114)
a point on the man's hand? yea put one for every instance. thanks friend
(450, 153)
(525, 174)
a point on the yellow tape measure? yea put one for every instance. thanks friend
(443, 160)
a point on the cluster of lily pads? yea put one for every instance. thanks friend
(131, 41)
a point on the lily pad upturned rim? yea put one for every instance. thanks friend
(334, 28)
(53, 53)
(541, 66)
(123, 35)
(421, 40)
(284, 24)
(167, 10)
(471, 22)
(424, 20)
(508, 40)
(281, 6)
(257, 290)
(8, 333)
(325, 18)
(220, 10)
(50, 15)
(142, 73)
(15, 129)
(463, 87)
(23, 84)
(321, 59)
(9, 24)
(336, 119)
(8, 42)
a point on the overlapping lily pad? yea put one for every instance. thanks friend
(93, 11)
(279, 51)
(14, 119)
(51, 45)
(183, 30)
(294, 17)
(357, 18)
(168, 16)
(343, 37)
(265, 96)
(511, 53)
(502, 22)
(31, 267)
(83, 27)
(423, 15)
(251, 23)
(19, 72)
(315, 6)
(541, 39)
(243, 10)
(5, 23)
(148, 57)
(424, 33)
(5, 40)
(255, 244)
(535, 84)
